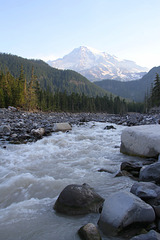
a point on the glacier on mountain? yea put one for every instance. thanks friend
(97, 65)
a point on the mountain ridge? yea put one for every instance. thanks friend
(134, 90)
(48, 77)
(96, 65)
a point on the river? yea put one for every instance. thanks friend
(33, 175)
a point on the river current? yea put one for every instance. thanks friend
(33, 175)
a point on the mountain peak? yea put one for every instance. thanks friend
(96, 65)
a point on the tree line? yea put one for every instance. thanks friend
(28, 95)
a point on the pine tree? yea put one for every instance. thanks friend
(156, 92)
(154, 99)
(32, 99)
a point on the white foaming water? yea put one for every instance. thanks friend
(33, 175)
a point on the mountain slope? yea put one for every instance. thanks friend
(134, 90)
(97, 65)
(54, 79)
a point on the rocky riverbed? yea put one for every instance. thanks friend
(18, 126)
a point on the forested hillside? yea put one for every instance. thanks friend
(19, 93)
(34, 85)
(134, 90)
(48, 77)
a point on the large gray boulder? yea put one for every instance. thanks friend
(78, 199)
(150, 173)
(151, 235)
(61, 127)
(145, 190)
(143, 141)
(122, 209)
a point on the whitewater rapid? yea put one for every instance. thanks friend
(32, 176)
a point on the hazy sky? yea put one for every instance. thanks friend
(48, 29)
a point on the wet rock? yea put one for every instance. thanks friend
(150, 193)
(122, 210)
(150, 173)
(62, 127)
(78, 200)
(132, 167)
(109, 127)
(143, 141)
(89, 232)
(145, 190)
(105, 170)
(125, 174)
(151, 235)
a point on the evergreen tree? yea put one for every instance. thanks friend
(154, 99)
(156, 92)
(32, 98)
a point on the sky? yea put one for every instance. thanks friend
(50, 29)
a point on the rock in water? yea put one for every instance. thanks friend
(143, 141)
(123, 209)
(89, 232)
(151, 235)
(61, 127)
(78, 199)
(145, 190)
(150, 173)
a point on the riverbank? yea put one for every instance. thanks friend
(18, 126)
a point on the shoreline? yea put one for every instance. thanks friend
(17, 126)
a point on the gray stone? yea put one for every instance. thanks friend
(150, 173)
(143, 141)
(5, 129)
(38, 132)
(123, 209)
(131, 166)
(145, 190)
(89, 232)
(108, 127)
(78, 199)
(151, 235)
(61, 127)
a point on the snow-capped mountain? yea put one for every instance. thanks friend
(96, 65)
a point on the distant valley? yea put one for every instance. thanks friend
(96, 66)
(134, 90)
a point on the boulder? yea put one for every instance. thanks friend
(150, 173)
(108, 127)
(145, 190)
(131, 167)
(78, 199)
(61, 127)
(150, 193)
(143, 141)
(123, 209)
(38, 132)
(151, 235)
(89, 232)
